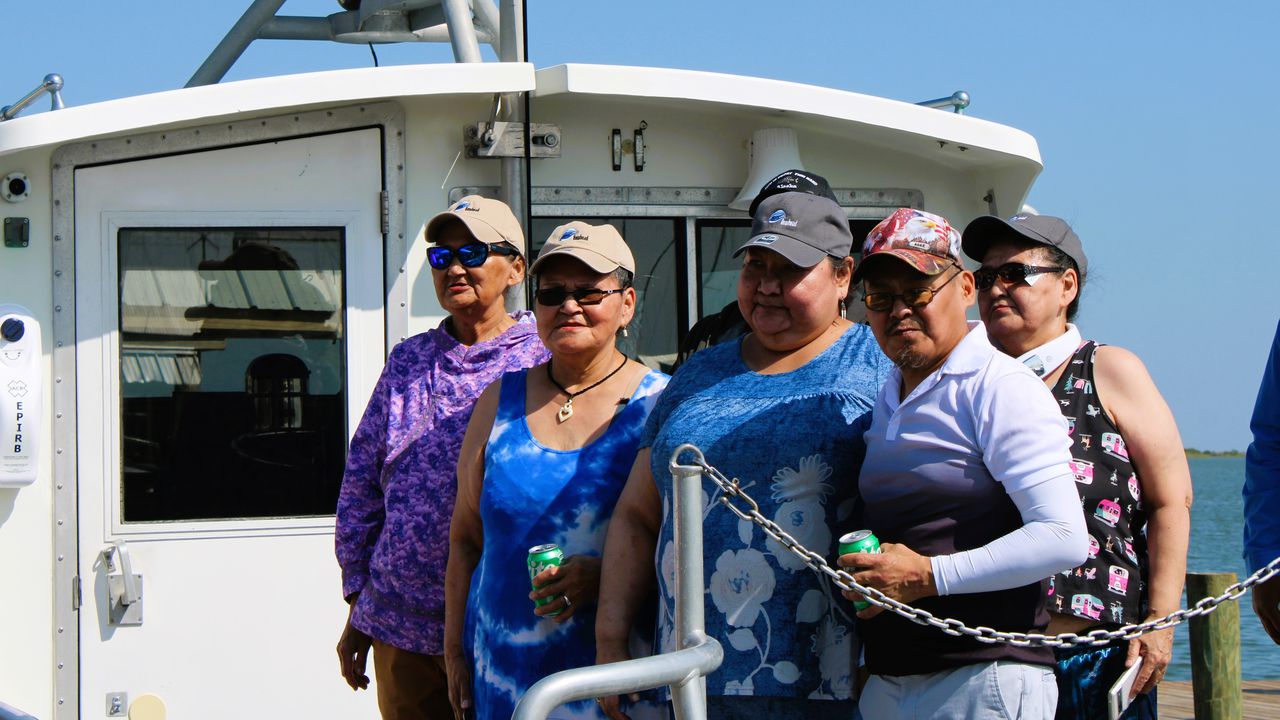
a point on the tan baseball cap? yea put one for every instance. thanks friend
(599, 247)
(488, 220)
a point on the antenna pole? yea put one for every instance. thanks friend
(513, 191)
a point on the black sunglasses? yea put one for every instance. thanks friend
(471, 255)
(913, 298)
(1012, 273)
(554, 297)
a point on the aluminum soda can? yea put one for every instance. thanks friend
(542, 557)
(859, 541)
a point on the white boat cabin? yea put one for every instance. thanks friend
(209, 280)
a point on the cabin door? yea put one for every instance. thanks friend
(230, 328)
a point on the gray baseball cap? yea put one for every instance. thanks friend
(801, 227)
(1039, 229)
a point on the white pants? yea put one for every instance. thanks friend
(1009, 690)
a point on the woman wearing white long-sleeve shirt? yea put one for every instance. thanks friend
(966, 482)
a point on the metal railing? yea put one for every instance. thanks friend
(684, 670)
(957, 101)
(464, 24)
(51, 84)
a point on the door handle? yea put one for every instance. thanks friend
(124, 587)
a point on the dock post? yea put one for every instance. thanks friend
(1215, 650)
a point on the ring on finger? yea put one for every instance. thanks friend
(566, 601)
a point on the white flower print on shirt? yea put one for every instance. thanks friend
(810, 481)
(833, 645)
(801, 514)
(741, 584)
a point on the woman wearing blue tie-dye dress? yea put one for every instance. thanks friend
(545, 458)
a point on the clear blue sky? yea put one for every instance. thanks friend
(1156, 122)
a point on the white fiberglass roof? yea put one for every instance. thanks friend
(284, 93)
(890, 123)
(887, 122)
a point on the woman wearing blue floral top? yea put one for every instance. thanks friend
(782, 410)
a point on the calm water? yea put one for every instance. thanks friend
(1216, 546)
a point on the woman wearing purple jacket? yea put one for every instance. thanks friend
(397, 496)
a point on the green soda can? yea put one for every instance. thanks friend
(542, 557)
(859, 541)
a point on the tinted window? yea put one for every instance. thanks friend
(232, 357)
(658, 246)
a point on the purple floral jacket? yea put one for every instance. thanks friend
(392, 534)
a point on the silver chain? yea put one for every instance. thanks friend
(845, 581)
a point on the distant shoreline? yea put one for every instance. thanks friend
(1194, 453)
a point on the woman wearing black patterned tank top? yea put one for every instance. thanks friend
(1131, 471)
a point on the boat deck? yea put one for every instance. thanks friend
(1261, 700)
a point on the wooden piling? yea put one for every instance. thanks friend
(1215, 650)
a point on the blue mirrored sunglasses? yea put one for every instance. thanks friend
(471, 255)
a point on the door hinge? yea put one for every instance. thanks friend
(75, 593)
(384, 204)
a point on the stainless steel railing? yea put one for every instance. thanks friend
(51, 84)
(957, 101)
(683, 670)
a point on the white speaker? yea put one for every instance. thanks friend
(772, 151)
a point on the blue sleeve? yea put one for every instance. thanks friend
(1262, 469)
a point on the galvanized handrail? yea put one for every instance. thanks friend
(958, 101)
(684, 670)
(51, 84)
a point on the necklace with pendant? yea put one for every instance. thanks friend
(566, 410)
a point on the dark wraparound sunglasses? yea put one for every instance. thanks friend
(913, 298)
(1012, 273)
(553, 297)
(471, 255)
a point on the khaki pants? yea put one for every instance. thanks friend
(411, 686)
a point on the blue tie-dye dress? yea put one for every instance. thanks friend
(533, 495)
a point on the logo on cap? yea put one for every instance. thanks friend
(780, 217)
(461, 206)
(569, 234)
(1018, 217)
(765, 239)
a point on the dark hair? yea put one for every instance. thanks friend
(1056, 257)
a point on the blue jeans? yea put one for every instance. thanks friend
(1086, 674)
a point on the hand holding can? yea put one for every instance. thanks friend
(543, 557)
(859, 541)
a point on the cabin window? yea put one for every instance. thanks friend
(718, 268)
(232, 359)
(661, 313)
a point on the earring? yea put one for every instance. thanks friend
(844, 312)
(624, 331)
